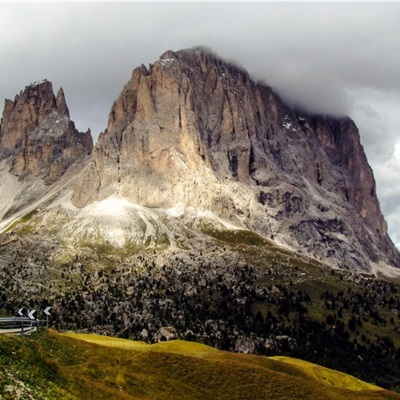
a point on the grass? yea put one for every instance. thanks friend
(189, 363)
(304, 369)
(86, 366)
(327, 376)
(174, 346)
(25, 222)
(235, 237)
(109, 341)
(104, 248)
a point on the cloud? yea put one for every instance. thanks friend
(388, 173)
(312, 54)
(335, 58)
(377, 116)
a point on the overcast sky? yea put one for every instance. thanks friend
(336, 58)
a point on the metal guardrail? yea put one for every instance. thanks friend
(23, 325)
(15, 319)
(18, 325)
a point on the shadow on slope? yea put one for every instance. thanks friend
(53, 365)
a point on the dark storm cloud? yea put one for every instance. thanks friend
(311, 53)
(335, 58)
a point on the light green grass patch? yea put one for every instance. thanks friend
(328, 376)
(174, 346)
(109, 341)
(302, 369)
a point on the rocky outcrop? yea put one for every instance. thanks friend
(193, 145)
(37, 135)
(197, 131)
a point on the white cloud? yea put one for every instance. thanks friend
(378, 119)
(387, 174)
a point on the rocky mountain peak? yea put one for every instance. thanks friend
(25, 113)
(194, 145)
(61, 103)
(196, 131)
(37, 136)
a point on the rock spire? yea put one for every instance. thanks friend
(37, 135)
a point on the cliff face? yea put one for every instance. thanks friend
(37, 135)
(194, 145)
(195, 131)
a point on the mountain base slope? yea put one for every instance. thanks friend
(64, 367)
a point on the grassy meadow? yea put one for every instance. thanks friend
(52, 365)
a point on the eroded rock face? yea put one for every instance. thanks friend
(38, 136)
(193, 134)
(196, 131)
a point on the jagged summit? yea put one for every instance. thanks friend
(38, 144)
(193, 141)
(37, 83)
(36, 133)
(61, 103)
(195, 54)
(195, 130)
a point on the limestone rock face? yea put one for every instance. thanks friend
(37, 135)
(195, 131)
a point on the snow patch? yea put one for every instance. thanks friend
(37, 83)
(177, 211)
(115, 218)
(113, 206)
(303, 122)
(166, 61)
(287, 123)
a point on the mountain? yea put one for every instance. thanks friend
(194, 131)
(193, 142)
(208, 210)
(36, 131)
(38, 143)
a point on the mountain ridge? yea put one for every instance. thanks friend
(208, 210)
(194, 130)
(195, 133)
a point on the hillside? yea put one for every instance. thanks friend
(208, 210)
(57, 366)
(238, 293)
(193, 145)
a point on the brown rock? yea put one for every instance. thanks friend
(37, 135)
(195, 130)
(192, 140)
(61, 104)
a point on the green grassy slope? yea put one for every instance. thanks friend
(50, 365)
